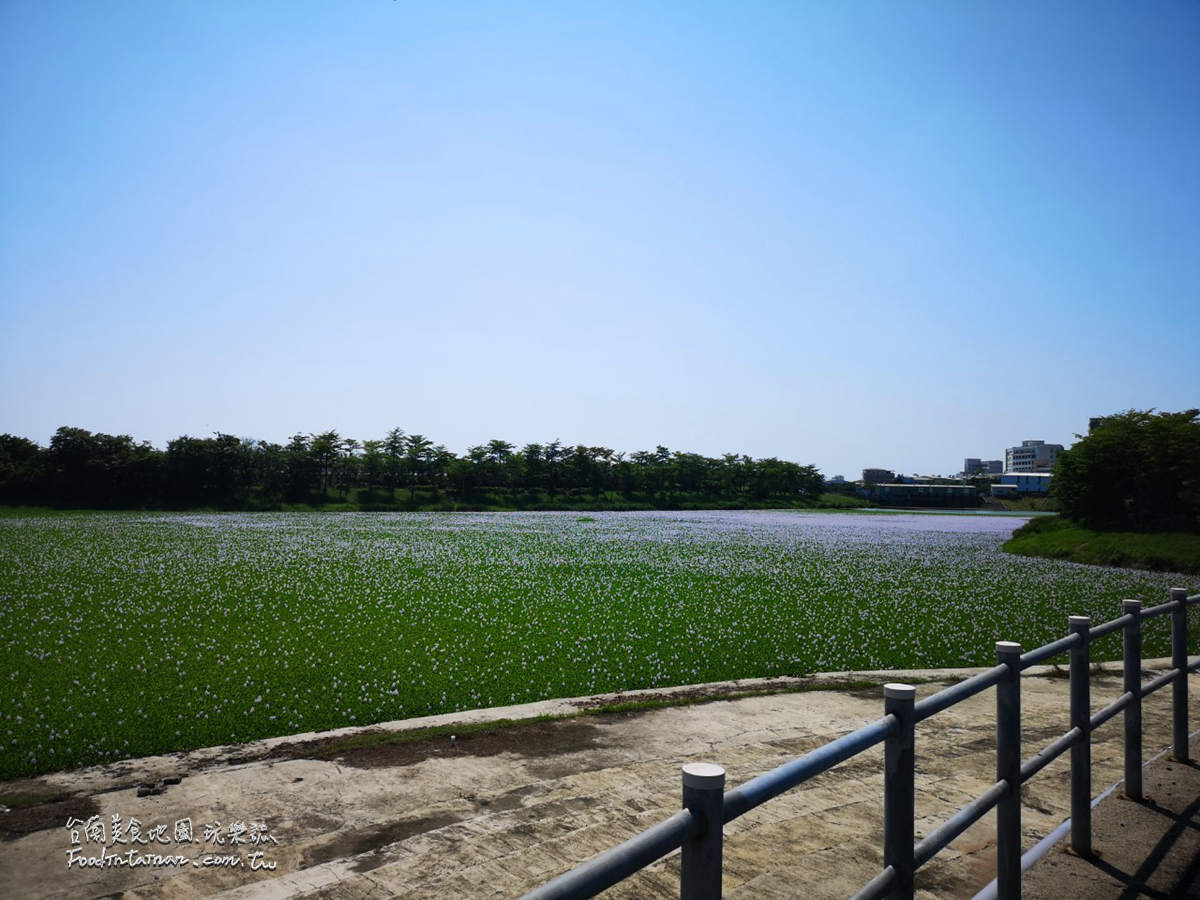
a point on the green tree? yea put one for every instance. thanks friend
(22, 468)
(348, 464)
(418, 451)
(1137, 470)
(532, 466)
(217, 471)
(102, 470)
(324, 450)
(270, 473)
(373, 463)
(394, 449)
(441, 462)
(298, 468)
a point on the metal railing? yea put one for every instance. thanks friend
(699, 827)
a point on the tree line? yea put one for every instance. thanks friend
(82, 469)
(1134, 471)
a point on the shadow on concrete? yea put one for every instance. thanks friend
(1145, 848)
(1137, 883)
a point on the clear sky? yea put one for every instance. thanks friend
(850, 234)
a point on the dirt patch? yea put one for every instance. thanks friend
(959, 877)
(33, 810)
(315, 823)
(514, 799)
(383, 749)
(706, 693)
(696, 694)
(373, 839)
(874, 692)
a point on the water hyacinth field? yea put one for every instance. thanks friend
(137, 633)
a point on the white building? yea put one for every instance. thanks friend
(1027, 481)
(1022, 483)
(1031, 456)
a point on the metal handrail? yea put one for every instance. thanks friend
(1048, 651)
(956, 693)
(940, 837)
(759, 790)
(1050, 753)
(603, 871)
(698, 829)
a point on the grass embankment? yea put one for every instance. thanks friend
(1159, 551)
(1028, 504)
(363, 740)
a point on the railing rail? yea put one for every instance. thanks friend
(759, 790)
(699, 828)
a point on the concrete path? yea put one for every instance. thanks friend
(494, 814)
(1143, 849)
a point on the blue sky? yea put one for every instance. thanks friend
(851, 234)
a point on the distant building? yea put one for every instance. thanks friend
(925, 494)
(973, 466)
(1031, 456)
(1012, 483)
(877, 476)
(925, 479)
(839, 485)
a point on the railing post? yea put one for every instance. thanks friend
(1133, 712)
(1179, 690)
(1008, 769)
(899, 788)
(704, 796)
(1081, 751)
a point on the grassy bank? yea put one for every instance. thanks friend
(1029, 504)
(1060, 539)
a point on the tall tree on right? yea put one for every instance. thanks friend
(1137, 470)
